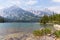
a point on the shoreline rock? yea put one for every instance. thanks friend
(56, 26)
(26, 36)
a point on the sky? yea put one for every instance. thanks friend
(53, 5)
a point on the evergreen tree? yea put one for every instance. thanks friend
(44, 19)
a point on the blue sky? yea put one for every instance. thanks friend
(53, 5)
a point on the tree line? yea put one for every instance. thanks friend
(1, 19)
(55, 18)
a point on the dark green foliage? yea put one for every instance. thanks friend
(46, 31)
(54, 18)
(57, 34)
(50, 19)
(44, 19)
(37, 33)
(1, 19)
(42, 32)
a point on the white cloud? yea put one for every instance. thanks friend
(1, 7)
(56, 0)
(55, 9)
(9, 3)
(31, 2)
(20, 3)
(23, 2)
(16, 3)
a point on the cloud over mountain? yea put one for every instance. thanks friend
(56, 0)
(55, 9)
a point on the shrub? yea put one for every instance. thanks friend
(37, 33)
(46, 31)
(57, 34)
(42, 32)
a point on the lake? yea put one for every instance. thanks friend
(7, 28)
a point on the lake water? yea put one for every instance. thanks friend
(6, 28)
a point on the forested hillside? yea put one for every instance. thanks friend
(55, 18)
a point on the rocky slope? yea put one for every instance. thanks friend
(15, 13)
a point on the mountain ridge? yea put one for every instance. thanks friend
(17, 14)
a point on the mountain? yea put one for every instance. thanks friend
(15, 13)
(42, 12)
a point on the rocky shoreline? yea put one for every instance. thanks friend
(25, 36)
